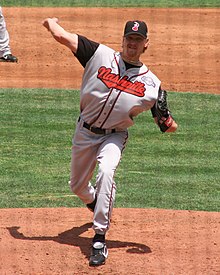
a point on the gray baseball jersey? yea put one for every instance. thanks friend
(111, 95)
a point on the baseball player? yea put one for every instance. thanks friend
(116, 87)
(5, 51)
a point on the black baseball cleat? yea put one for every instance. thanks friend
(9, 58)
(91, 206)
(99, 254)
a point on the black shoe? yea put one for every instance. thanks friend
(91, 206)
(99, 254)
(8, 58)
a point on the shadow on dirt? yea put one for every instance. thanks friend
(72, 237)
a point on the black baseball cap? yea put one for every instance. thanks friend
(136, 27)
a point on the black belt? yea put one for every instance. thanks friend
(98, 131)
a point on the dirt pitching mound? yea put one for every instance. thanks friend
(140, 241)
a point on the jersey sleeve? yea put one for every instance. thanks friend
(153, 109)
(86, 49)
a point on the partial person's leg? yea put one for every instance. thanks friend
(4, 36)
(83, 163)
(5, 51)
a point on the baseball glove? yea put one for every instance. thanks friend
(161, 112)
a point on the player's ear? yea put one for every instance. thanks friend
(146, 44)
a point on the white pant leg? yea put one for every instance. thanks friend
(108, 157)
(4, 37)
(83, 163)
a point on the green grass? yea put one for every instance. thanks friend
(179, 171)
(36, 128)
(112, 3)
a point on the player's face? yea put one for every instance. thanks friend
(134, 45)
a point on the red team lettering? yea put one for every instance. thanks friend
(112, 80)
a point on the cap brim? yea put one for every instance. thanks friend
(136, 33)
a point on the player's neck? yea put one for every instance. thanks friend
(135, 62)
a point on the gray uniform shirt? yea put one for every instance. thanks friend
(112, 96)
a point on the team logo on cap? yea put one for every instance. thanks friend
(135, 27)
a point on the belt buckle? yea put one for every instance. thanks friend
(92, 129)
